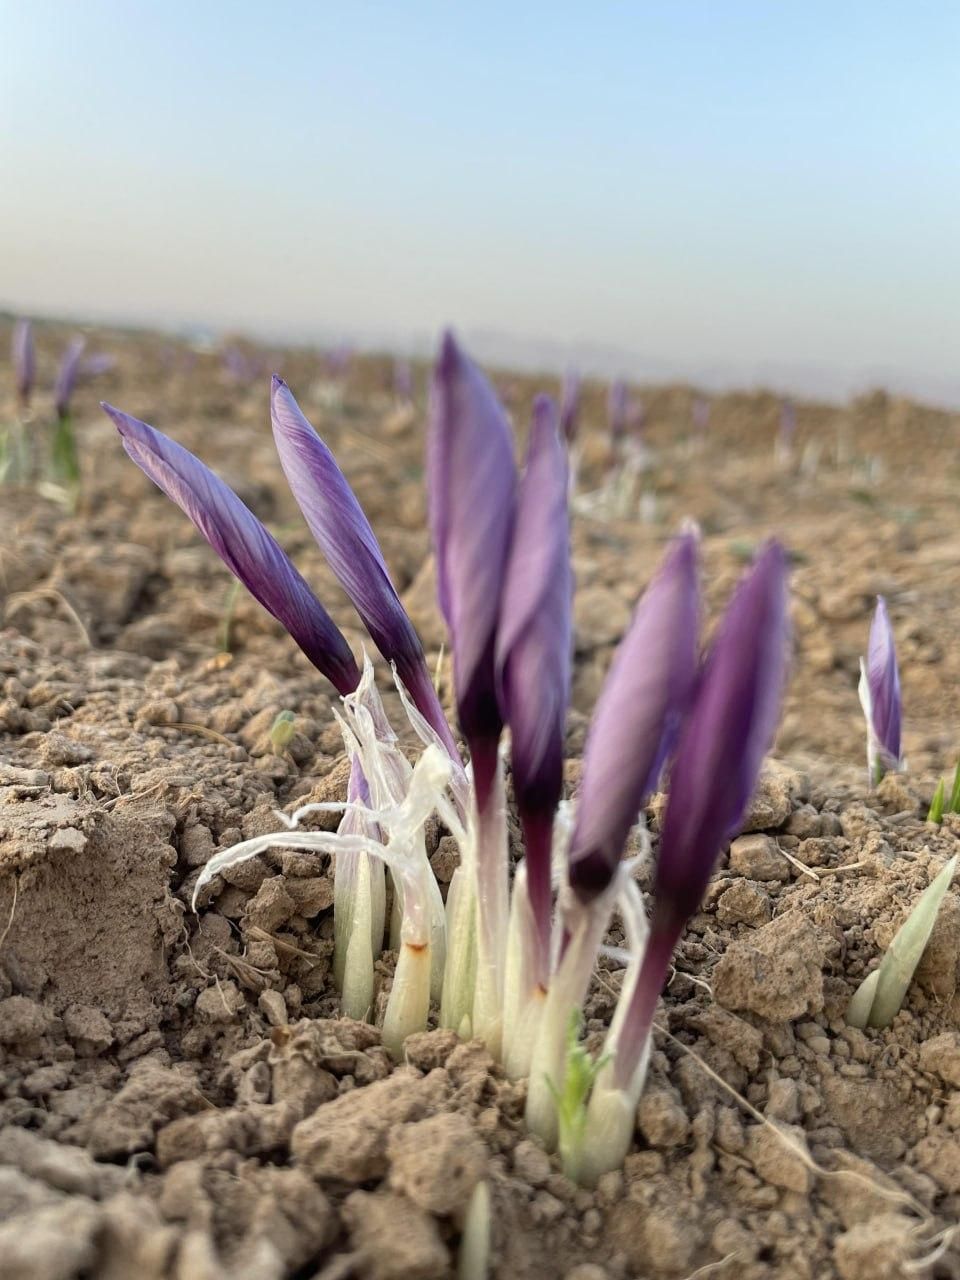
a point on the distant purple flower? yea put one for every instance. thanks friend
(24, 360)
(533, 652)
(618, 409)
(637, 717)
(248, 550)
(700, 414)
(880, 697)
(345, 537)
(338, 360)
(67, 376)
(729, 730)
(788, 422)
(570, 405)
(98, 363)
(240, 365)
(637, 417)
(472, 494)
(403, 386)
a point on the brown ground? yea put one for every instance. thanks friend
(177, 1098)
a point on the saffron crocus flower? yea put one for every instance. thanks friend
(880, 697)
(700, 414)
(248, 550)
(533, 651)
(24, 361)
(637, 718)
(403, 381)
(345, 537)
(634, 727)
(67, 376)
(570, 405)
(472, 491)
(788, 423)
(618, 409)
(728, 732)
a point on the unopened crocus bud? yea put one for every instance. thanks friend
(472, 494)
(533, 652)
(637, 717)
(880, 697)
(345, 537)
(67, 376)
(618, 409)
(248, 550)
(24, 361)
(403, 381)
(570, 406)
(724, 740)
(700, 415)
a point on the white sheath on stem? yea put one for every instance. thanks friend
(492, 910)
(523, 995)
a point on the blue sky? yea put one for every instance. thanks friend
(728, 188)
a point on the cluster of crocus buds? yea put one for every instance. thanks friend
(508, 962)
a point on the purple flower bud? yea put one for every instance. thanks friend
(533, 647)
(728, 732)
(638, 417)
(67, 376)
(618, 409)
(570, 405)
(98, 363)
(880, 696)
(472, 495)
(403, 381)
(24, 360)
(788, 422)
(637, 717)
(700, 414)
(248, 550)
(345, 537)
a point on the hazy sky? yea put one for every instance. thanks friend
(722, 185)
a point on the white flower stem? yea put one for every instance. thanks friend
(492, 912)
(568, 987)
(409, 1003)
(460, 976)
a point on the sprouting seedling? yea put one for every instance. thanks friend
(936, 810)
(945, 802)
(282, 731)
(879, 692)
(579, 1074)
(879, 998)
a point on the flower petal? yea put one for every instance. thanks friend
(67, 376)
(884, 684)
(727, 734)
(637, 717)
(472, 492)
(534, 636)
(247, 549)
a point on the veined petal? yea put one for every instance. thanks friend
(637, 717)
(344, 535)
(884, 684)
(472, 493)
(24, 359)
(730, 728)
(534, 636)
(67, 376)
(247, 549)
